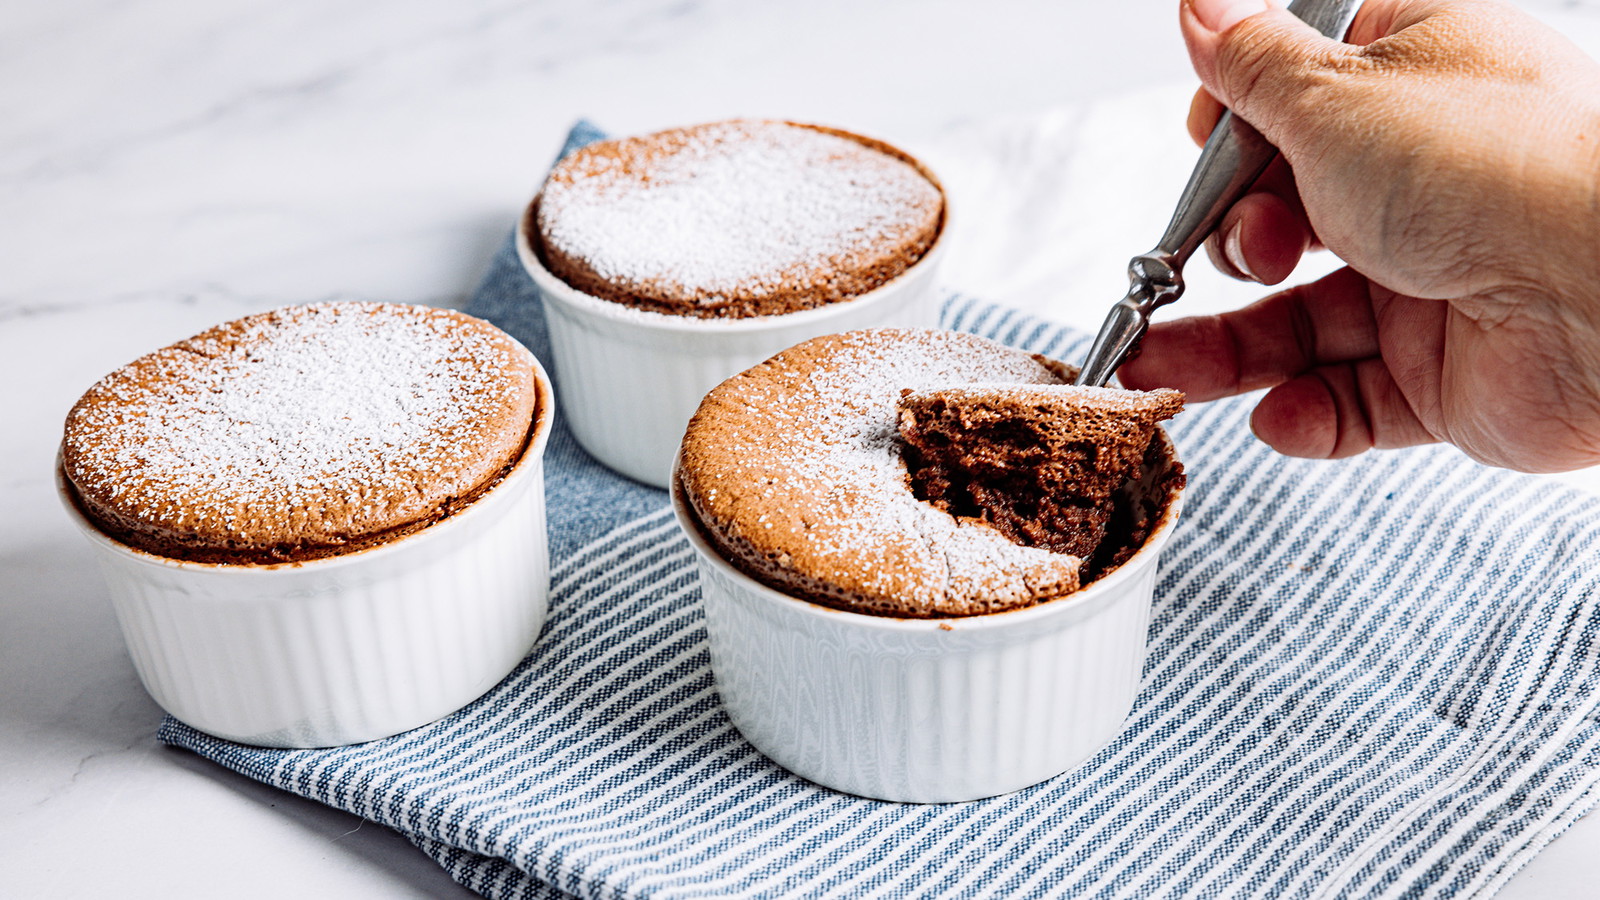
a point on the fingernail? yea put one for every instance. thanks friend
(1220, 15)
(1233, 249)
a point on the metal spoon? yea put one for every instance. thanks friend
(1234, 157)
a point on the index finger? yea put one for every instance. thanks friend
(1263, 345)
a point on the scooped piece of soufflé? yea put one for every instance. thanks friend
(924, 474)
(301, 433)
(734, 219)
(1046, 465)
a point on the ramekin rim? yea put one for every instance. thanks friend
(1148, 554)
(559, 291)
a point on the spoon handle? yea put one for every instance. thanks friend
(1235, 155)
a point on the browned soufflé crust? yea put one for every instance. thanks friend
(301, 433)
(733, 219)
(794, 471)
(1044, 464)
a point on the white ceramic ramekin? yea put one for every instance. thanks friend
(630, 379)
(347, 648)
(927, 710)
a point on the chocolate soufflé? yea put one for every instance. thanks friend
(301, 433)
(734, 219)
(797, 472)
(1046, 465)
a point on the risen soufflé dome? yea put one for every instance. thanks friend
(924, 473)
(733, 219)
(300, 433)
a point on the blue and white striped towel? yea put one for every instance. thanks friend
(1366, 678)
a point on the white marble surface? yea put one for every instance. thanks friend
(165, 165)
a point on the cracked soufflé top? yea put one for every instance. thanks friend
(796, 472)
(733, 219)
(300, 433)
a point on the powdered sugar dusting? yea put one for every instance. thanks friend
(856, 443)
(1105, 400)
(308, 423)
(730, 210)
(823, 441)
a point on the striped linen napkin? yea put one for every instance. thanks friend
(1373, 677)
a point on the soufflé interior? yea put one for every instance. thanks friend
(733, 219)
(301, 433)
(925, 474)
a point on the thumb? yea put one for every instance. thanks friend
(1262, 62)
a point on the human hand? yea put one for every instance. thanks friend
(1450, 155)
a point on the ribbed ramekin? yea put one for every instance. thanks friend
(927, 710)
(630, 379)
(348, 648)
